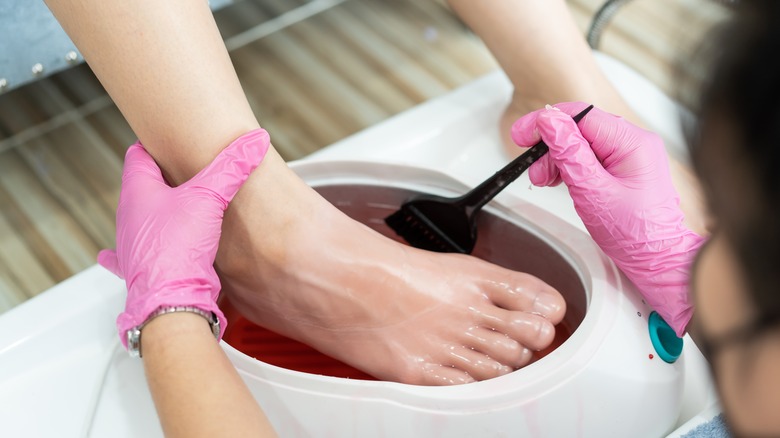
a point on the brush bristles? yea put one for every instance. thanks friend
(420, 232)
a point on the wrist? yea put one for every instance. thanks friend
(143, 302)
(133, 336)
(170, 327)
(662, 278)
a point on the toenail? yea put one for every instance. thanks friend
(546, 304)
(546, 330)
(510, 344)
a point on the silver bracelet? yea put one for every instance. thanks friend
(134, 334)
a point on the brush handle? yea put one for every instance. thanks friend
(483, 193)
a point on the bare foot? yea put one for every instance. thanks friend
(395, 312)
(517, 107)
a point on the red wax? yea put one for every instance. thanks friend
(275, 349)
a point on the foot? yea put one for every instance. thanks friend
(395, 312)
(517, 107)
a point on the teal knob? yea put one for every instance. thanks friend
(664, 339)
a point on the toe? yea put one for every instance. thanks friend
(528, 329)
(498, 346)
(523, 292)
(476, 364)
(443, 375)
(549, 304)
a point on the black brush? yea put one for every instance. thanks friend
(444, 224)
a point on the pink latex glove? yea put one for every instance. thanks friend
(618, 177)
(167, 237)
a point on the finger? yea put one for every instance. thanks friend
(608, 134)
(599, 126)
(524, 133)
(138, 163)
(557, 181)
(232, 166)
(570, 151)
(544, 173)
(107, 259)
(573, 108)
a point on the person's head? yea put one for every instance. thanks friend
(736, 277)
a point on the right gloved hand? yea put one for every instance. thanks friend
(619, 180)
(167, 237)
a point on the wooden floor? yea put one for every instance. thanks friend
(310, 84)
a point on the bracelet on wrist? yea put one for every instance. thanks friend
(134, 334)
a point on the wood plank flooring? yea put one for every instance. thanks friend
(310, 84)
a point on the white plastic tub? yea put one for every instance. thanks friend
(605, 380)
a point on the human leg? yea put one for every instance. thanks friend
(395, 312)
(538, 45)
(546, 57)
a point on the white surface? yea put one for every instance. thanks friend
(53, 349)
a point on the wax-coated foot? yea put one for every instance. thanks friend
(395, 312)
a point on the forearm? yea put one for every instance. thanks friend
(166, 67)
(541, 49)
(196, 390)
(521, 32)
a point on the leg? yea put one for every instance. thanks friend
(542, 51)
(395, 312)
(540, 48)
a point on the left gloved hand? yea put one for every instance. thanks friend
(167, 238)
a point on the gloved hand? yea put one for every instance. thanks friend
(618, 177)
(167, 237)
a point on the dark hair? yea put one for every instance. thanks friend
(737, 153)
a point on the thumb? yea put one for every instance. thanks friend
(139, 164)
(107, 259)
(232, 166)
(525, 134)
(570, 152)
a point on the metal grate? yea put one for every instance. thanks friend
(34, 45)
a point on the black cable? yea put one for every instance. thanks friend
(601, 19)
